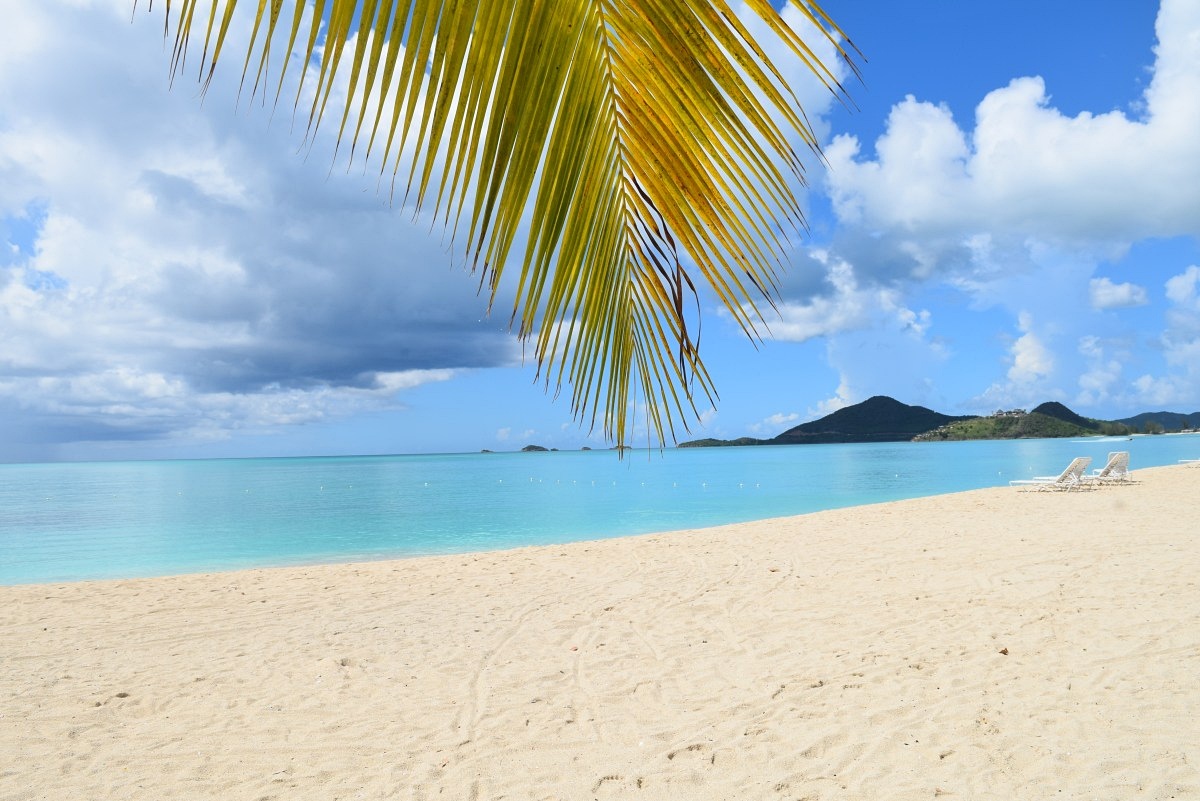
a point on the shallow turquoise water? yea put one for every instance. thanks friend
(68, 522)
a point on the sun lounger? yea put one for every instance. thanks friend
(1069, 479)
(1115, 471)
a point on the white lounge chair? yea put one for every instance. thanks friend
(1069, 479)
(1115, 471)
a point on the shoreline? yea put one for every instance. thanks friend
(319, 562)
(256, 517)
(985, 643)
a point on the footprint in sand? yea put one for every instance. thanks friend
(694, 748)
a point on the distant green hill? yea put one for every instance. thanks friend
(1026, 426)
(1170, 421)
(1051, 419)
(884, 419)
(1103, 427)
(1057, 411)
(877, 419)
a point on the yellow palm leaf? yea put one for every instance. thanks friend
(633, 139)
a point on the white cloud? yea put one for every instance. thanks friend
(1176, 382)
(773, 425)
(188, 271)
(874, 340)
(1031, 360)
(920, 171)
(1032, 366)
(1027, 169)
(779, 419)
(847, 307)
(409, 379)
(1017, 210)
(1107, 295)
(506, 434)
(1163, 391)
(1180, 342)
(845, 396)
(1102, 375)
(1182, 289)
(1181, 339)
(1030, 170)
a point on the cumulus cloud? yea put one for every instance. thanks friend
(845, 396)
(779, 419)
(844, 305)
(1181, 339)
(1018, 211)
(1107, 295)
(1028, 169)
(875, 342)
(773, 425)
(1101, 378)
(1031, 360)
(1171, 377)
(1181, 343)
(1032, 367)
(1182, 290)
(173, 270)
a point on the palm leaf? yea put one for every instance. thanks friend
(637, 140)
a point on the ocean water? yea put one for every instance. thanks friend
(78, 521)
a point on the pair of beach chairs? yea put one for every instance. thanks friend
(1076, 477)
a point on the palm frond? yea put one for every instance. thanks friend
(632, 138)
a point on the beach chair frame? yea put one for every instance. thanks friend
(1115, 471)
(1067, 480)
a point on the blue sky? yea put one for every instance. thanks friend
(1010, 215)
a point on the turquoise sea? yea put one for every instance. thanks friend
(76, 521)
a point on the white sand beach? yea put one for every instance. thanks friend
(991, 644)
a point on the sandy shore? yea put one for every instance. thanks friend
(984, 645)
